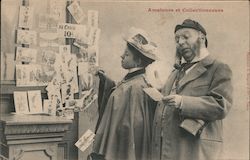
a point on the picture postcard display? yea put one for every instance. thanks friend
(45, 60)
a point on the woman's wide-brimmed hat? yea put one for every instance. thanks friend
(139, 39)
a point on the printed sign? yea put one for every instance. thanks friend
(68, 30)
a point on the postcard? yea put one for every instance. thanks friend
(25, 17)
(49, 106)
(93, 55)
(76, 11)
(29, 75)
(70, 72)
(57, 8)
(26, 55)
(35, 101)
(21, 102)
(153, 93)
(93, 36)
(66, 92)
(68, 113)
(22, 75)
(48, 56)
(83, 68)
(86, 140)
(64, 49)
(48, 21)
(46, 106)
(7, 66)
(48, 39)
(26, 37)
(92, 19)
(85, 81)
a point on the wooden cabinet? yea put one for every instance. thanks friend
(32, 137)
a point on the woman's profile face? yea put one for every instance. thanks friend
(128, 60)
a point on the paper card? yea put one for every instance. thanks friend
(81, 42)
(48, 56)
(48, 39)
(153, 93)
(48, 21)
(88, 97)
(70, 70)
(47, 73)
(7, 66)
(35, 101)
(26, 37)
(94, 36)
(66, 92)
(25, 17)
(64, 49)
(86, 81)
(83, 55)
(52, 107)
(29, 75)
(21, 102)
(68, 30)
(48, 43)
(53, 87)
(26, 55)
(48, 36)
(83, 68)
(89, 101)
(86, 140)
(93, 53)
(23, 78)
(57, 8)
(68, 113)
(76, 11)
(92, 18)
(46, 106)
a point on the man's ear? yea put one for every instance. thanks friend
(202, 37)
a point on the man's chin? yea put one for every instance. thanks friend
(188, 56)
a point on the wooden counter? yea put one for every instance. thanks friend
(25, 137)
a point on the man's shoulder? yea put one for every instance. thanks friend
(216, 62)
(220, 68)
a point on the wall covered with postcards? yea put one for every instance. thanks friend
(55, 46)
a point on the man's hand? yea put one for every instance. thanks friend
(172, 100)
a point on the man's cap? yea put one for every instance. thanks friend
(139, 40)
(188, 23)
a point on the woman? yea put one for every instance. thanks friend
(123, 130)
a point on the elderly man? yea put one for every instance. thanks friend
(197, 96)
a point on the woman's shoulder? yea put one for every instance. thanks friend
(139, 81)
